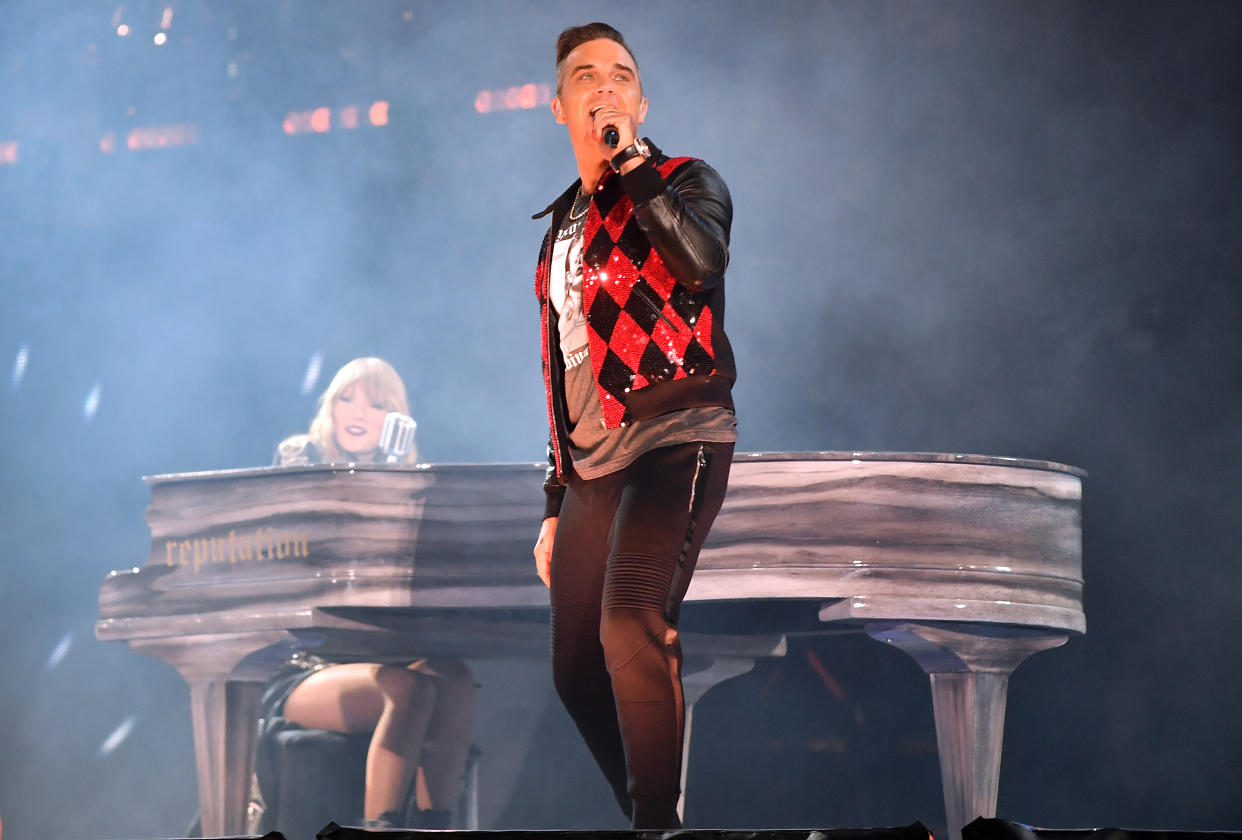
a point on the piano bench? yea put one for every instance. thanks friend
(306, 778)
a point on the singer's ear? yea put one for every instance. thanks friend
(642, 109)
(557, 110)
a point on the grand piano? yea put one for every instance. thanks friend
(967, 563)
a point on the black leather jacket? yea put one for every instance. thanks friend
(687, 220)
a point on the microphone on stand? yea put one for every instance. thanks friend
(397, 436)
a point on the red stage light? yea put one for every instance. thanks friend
(8, 153)
(321, 120)
(528, 96)
(515, 98)
(162, 136)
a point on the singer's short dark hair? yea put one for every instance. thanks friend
(576, 36)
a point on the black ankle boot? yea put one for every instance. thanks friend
(388, 819)
(432, 819)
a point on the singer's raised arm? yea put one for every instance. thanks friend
(687, 218)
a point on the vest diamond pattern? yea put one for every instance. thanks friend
(641, 326)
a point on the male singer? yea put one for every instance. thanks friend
(638, 374)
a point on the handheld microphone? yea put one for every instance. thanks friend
(397, 436)
(611, 136)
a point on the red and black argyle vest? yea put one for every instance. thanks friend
(642, 327)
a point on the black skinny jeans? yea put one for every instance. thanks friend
(625, 548)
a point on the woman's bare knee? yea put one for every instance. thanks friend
(401, 687)
(342, 698)
(453, 673)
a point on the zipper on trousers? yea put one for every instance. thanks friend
(702, 468)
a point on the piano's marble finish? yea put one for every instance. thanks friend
(969, 563)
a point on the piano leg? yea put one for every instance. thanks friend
(226, 681)
(693, 686)
(225, 718)
(969, 667)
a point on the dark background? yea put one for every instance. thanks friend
(990, 227)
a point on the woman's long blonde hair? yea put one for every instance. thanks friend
(384, 387)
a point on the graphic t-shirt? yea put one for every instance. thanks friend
(565, 293)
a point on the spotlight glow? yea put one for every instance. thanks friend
(19, 365)
(123, 30)
(162, 136)
(320, 120)
(91, 405)
(59, 652)
(313, 369)
(160, 39)
(117, 737)
(514, 98)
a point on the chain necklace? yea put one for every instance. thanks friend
(575, 216)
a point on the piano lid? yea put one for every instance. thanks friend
(869, 536)
(825, 455)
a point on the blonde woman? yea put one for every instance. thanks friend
(420, 714)
(350, 417)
